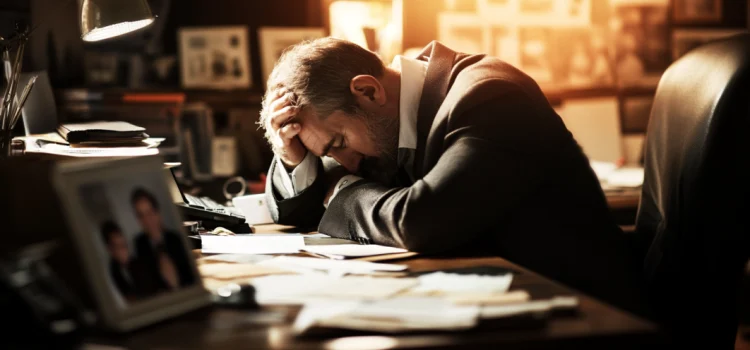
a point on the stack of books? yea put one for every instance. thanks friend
(103, 133)
(94, 139)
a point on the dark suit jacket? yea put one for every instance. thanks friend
(142, 282)
(497, 172)
(175, 250)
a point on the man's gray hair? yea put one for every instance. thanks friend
(318, 73)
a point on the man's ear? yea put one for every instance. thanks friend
(368, 91)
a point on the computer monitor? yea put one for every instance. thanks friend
(39, 113)
(129, 234)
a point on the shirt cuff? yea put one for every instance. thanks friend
(342, 184)
(303, 175)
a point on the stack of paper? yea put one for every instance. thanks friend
(253, 244)
(53, 144)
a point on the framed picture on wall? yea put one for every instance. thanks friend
(641, 42)
(463, 32)
(684, 40)
(274, 40)
(215, 57)
(696, 11)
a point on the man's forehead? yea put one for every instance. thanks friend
(317, 132)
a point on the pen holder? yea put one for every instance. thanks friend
(13, 97)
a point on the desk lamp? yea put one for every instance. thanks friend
(104, 19)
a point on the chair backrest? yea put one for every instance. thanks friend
(40, 111)
(693, 219)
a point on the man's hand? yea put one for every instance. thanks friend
(281, 131)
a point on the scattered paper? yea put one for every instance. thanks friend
(392, 315)
(612, 176)
(335, 267)
(313, 313)
(347, 251)
(301, 289)
(629, 177)
(224, 271)
(252, 244)
(567, 303)
(472, 298)
(441, 282)
(603, 169)
(237, 258)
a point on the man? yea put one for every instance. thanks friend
(162, 250)
(446, 153)
(131, 277)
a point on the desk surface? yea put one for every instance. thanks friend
(623, 199)
(596, 326)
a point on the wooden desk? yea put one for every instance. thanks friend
(623, 200)
(597, 326)
(624, 206)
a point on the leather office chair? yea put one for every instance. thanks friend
(693, 221)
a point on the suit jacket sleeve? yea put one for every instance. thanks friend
(489, 163)
(303, 210)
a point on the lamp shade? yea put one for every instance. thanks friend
(103, 19)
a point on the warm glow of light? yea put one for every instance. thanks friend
(362, 343)
(114, 30)
(356, 20)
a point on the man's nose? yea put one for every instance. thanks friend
(348, 158)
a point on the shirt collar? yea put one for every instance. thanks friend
(413, 73)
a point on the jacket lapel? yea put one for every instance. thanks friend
(440, 64)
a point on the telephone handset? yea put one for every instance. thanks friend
(40, 309)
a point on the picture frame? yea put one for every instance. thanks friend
(273, 41)
(464, 32)
(684, 40)
(76, 184)
(100, 68)
(697, 11)
(535, 49)
(196, 130)
(542, 13)
(215, 57)
(641, 42)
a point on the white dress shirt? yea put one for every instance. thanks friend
(413, 74)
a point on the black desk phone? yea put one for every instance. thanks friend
(39, 309)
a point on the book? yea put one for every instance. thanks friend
(103, 131)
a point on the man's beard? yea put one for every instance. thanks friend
(383, 132)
